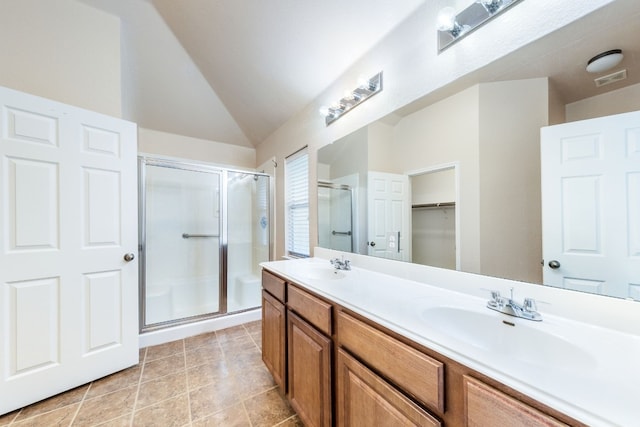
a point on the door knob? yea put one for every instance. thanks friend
(129, 257)
(372, 244)
(554, 264)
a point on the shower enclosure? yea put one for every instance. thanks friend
(203, 232)
(335, 219)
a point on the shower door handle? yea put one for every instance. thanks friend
(129, 257)
(189, 236)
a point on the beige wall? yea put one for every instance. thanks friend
(511, 115)
(434, 187)
(184, 147)
(381, 148)
(61, 50)
(615, 102)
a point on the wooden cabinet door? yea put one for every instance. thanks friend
(486, 406)
(274, 328)
(364, 399)
(309, 378)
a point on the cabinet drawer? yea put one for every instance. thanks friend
(409, 369)
(365, 399)
(486, 406)
(274, 285)
(313, 309)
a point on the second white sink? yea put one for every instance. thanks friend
(507, 336)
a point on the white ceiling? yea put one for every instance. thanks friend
(234, 71)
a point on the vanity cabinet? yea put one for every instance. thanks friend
(274, 327)
(341, 368)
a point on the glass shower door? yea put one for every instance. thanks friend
(182, 244)
(335, 221)
(247, 238)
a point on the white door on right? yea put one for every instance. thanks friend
(591, 205)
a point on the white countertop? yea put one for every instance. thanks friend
(597, 382)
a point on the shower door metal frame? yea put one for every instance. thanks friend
(223, 173)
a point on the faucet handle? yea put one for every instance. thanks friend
(496, 299)
(347, 264)
(530, 304)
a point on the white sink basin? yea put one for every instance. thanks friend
(323, 273)
(509, 337)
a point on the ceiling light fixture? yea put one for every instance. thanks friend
(365, 90)
(604, 61)
(453, 27)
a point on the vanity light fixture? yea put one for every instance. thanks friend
(365, 90)
(453, 27)
(604, 61)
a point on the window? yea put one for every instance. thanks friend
(296, 177)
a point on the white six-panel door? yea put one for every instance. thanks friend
(68, 212)
(591, 205)
(389, 206)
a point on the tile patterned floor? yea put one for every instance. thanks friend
(213, 379)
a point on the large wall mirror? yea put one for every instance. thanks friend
(455, 180)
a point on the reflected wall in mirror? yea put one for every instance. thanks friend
(486, 137)
(481, 211)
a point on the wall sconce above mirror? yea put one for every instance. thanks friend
(453, 27)
(365, 90)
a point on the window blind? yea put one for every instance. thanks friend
(297, 203)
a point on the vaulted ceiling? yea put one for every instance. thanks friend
(234, 71)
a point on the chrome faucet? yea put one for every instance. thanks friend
(341, 264)
(526, 310)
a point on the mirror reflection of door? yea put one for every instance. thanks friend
(591, 205)
(433, 217)
(389, 217)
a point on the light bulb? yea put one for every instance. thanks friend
(446, 19)
(492, 6)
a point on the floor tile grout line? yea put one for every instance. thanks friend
(84, 397)
(246, 413)
(286, 419)
(186, 381)
(135, 401)
(13, 420)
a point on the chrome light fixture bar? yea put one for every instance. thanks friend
(453, 26)
(365, 90)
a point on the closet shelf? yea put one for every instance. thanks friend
(434, 205)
